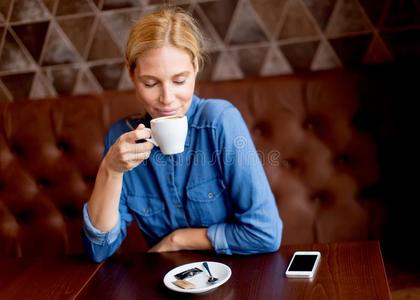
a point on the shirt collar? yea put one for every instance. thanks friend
(190, 113)
(193, 107)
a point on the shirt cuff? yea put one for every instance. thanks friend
(97, 236)
(217, 236)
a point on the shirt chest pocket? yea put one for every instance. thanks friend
(150, 214)
(206, 202)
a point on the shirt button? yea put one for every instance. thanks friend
(178, 205)
(210, 195)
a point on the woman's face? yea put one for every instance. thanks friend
(164, 79)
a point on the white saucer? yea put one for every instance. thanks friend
(219, 270)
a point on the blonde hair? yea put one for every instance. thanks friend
(168, 26)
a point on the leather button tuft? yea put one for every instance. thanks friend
(343, 159)
(263, 129)
(285, 164)
(312, 123)
(258, 131)
(321, 197)
(24, 216)
(17, 150)
(64, 146)
(89, 179)
(289, 164)
(70, 211)
(43, 182)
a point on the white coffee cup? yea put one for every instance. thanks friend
(169, 133)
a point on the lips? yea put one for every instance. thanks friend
(167, 112)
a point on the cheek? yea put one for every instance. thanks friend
(147, 96)
(186, 92)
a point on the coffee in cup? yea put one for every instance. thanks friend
(169, 133)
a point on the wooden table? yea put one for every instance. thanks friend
(45, 278)
(347, 271)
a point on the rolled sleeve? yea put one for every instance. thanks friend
(217, 236)
(97, 236)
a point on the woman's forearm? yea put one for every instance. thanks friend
(192, 239)
(124, 155)
(184, 239)
(104, 201)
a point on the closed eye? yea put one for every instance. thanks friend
(180, 82)
(149, 84)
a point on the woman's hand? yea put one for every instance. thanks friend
(184, 239)
(125, 154)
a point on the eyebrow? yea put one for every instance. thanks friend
(185, 73)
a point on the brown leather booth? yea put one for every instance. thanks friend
(313, 133)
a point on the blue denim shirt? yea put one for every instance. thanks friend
(218, 183)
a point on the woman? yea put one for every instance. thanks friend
(214, 195)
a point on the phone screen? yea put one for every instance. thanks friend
(303, 262)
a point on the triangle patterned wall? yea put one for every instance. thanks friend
(58, 47)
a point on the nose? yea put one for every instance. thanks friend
(167, 94)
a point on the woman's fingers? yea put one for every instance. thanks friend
(127, 153)
(140, 133)
(127, 148)
(138, 147)
(137, 157)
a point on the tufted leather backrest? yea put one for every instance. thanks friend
(320, 166)
(50, 151)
